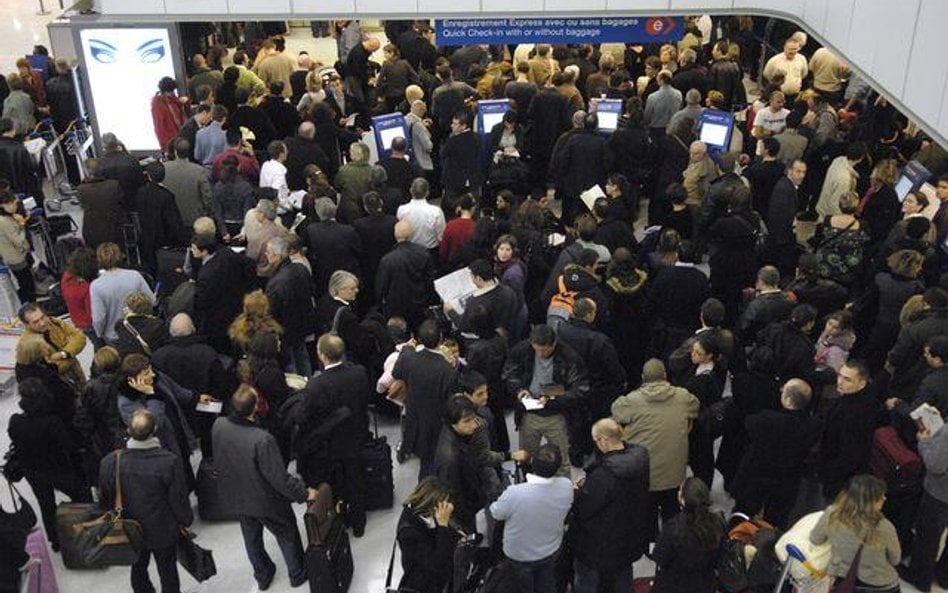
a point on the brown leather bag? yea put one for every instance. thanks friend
(110, 540)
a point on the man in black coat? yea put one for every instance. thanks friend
(690, 75)
(580, 161)
(282, 115)
(848, 428)
(251, 469)
(290, 292)
(115, 163)
(154, 493)
(613, 232)
(377, 231)
(607, 379)
(770, 305)
(781, 212)
(255, 120)
(611, 505)
(770, 471)
(16, 164)
(499, 299)
(222, 281)
(456, 463)
(430, 379)
(552, 116)
(791, 344)
(462, 170)
(159, 217)
(303, 150)
(341, 384)
(763, 174)
(404, 283)
(905, 361)
(400, 173)
(725, 76)
(675, 297)
(331, 245)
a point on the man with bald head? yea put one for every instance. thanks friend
(611, 505)
(404, 281)
(154, 493)
(659, 416)
(304, 150)
(769, 475)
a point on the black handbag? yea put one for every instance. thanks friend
(198, 562)
(23, 517)
(110, 540)
(12, 466)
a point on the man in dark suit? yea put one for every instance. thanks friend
(332, 246)
(781, 212)
(401, 172)
(159, 219)
(223, 280)
(461, 168)
(430, 379)
(403, 285)
(580, 161)
(255, 120)
(304, 150)
(340, 384)
(553, 115)
(250, 468)
(154, 493)
(290, 292)
(377, 231)
(283, 116)
(676, 296)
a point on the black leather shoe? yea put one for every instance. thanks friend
(267, 581)
(358, 531)
(298, 583)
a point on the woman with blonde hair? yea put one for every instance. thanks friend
(33, 361)
(314, 93)
(255, 318)
(880, 207)
(860, 535)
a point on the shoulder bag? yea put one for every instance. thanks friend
(23, 517)
(110, 540)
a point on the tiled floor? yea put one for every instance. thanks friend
(21, 28)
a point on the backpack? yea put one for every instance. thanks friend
(561, 304)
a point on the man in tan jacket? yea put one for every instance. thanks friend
(659, 416)
(64, 337)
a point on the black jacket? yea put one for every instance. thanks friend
(343, 385)
(427, 553)
(18, 167)
(103, 211)
(302, 152)
(906, 356)
(159, 222)
(360, 345)
(256, 121)
(780, 441)
(607, 378)
(881, 212)
(793, 350)
(676, 296)
(631, 151)
(430, 380)
(615, 233)
(63, 392)
(612, 506)
(331, 246)
(219, 293)
(154, 493)
(404, 282)
(97, 418)
(248, 462)
(781, 213)
(763, 176)
(847, 438)
(692, 77)
(282, 115)
(725, 76)
(125, 169)
(43, 442)
(400, 173)
(683, 565)
(290, 292)
(194, 365)
(551, 116)
(461, 166)
(580, 162)
(455, 464)
(568, 371)
(377, 232)
(503, 305)
(761, 312)
(152, 330)
(61, 97)
(823, 294)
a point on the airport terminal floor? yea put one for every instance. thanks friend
(20, 29)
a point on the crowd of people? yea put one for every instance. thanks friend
(300, 250)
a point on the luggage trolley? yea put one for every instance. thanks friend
(80, 145)
(798, 576)
(46, 145)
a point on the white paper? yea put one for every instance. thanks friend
(210, 407)
(29, 203)
(556, 239)
(351, 121)
(456, 288)
(929, 416)
(590, 196)
(530, 403)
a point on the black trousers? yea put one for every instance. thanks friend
(166, 562)
(45, 484)
(348, 478)
(27, 286)
(930, 522)
(701, 453)
(664, 504)
(775, 497)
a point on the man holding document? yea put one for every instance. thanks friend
(549, 380)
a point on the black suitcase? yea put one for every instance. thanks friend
(68, 515)
(329, 564)
(170, 274)
(377, 463)
(210, 504)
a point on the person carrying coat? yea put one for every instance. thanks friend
(611, 505)
(154, 492)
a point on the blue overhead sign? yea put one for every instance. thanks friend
(558, 30)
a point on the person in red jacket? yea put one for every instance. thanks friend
(459, 230)
(168, 111)
(81, 269)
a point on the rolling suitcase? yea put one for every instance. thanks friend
(891, 460)
(210, 505)
(68, 515)
(328, 558)
(377, 463)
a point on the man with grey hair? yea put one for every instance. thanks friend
(267, 228)
(304, 150)
(659, 416)
(690, 75)
(421, 143)
(426, 220)
(355, 177)
(691, 110)
(404, 283)
(335, 314)
(332, 245)
(290, 293)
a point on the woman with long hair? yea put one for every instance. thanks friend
(233, 197)
(887, 295)
(255, 318)
(168, 111)
(880, 208)
(686, 553)
(263, 371)
(426, 539)
(855, 526)
(81, 269)
(510, 270)
(14, 246)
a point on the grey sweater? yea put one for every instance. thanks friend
(880, 555)
(934, 452)
(108, 293)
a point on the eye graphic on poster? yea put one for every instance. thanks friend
(124, 67)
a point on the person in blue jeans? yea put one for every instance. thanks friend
(534, 512)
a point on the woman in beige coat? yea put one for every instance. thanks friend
(14, 248)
